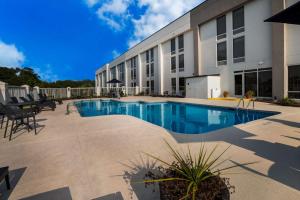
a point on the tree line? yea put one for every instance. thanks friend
(27, 76)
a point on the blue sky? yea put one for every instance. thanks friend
(70, 39)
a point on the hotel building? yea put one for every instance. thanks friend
(220, 45)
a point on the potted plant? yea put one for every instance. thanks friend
(225, 94)
(192, 176)
(250, 94)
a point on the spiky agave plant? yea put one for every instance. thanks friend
(193, 169)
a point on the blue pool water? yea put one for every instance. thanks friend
(176, 117)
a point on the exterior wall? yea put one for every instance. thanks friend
(292, 40)
(258, 44)
(203, 87)
(267, 45)
(188, 62)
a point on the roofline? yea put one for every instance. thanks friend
(155, 33)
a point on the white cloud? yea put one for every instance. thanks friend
(10, 56)
(91, 3)
(115, 54)
(46, 73)
(157, 15)
(114, 13)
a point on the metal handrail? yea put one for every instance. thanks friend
(241, 100)
(253, 105)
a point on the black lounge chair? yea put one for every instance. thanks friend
(59, 101)
(18, 117)
(4, 174)
(35, 105)
(14, 100)
(42, 103)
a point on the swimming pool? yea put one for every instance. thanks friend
(177, 117)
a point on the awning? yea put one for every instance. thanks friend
(291, 15)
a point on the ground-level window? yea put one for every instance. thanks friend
(238, 84)
(251, 82)
(148, 85)
(294, 82)
(152, 86)
(173, 85)
(265, 83)
(182, 86)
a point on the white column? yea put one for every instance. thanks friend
(126, 76)
(160, 70)
(98, 85)
(27, 88)
(117, 74)
(140, 72)
(3, 92)
(37, 88)
(69, 92)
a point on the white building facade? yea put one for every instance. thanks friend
(221, 45)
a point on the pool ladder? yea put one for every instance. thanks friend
(242, 101)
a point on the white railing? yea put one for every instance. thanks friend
(129, 91)
(16, 91)
(82, 92)
(57, 93)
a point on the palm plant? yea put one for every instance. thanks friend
(193, 170)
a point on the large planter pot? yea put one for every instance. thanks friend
(213, 188)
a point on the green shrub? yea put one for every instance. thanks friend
(287, 102)
(192, 170)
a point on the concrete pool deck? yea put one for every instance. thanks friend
(101, 157)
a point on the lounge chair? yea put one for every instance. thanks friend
(59, 101)
(42, 103)
(16, 114)
(34, 105)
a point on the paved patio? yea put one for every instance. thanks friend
(100, 157)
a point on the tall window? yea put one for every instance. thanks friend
(152, 54)
(222, 53)
(181, 62)
(152, 69)
(113, 72)
(173, 46)
(238, 21)
(147, 70)
(133, 68)
(173, 85)
(239, 49)
(121, 72)
(147, 56)
(221, 27)
(294, 82)
(173, 64)
(180, 43)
